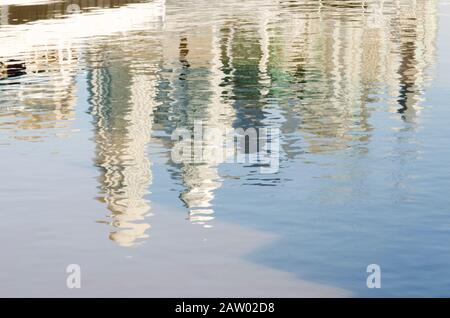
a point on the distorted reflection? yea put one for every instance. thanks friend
(316, 70)
(38, 93)
(339, 65)
(199, 66)
(122, 99)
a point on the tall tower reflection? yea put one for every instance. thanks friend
(196, 92)
(416, 26)
(122, 99)
(202, 180)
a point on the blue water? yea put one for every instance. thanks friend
(358, 92)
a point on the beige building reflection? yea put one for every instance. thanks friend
(122, 102)
(341, 63)
(316, 73)
(201, 102)
(312, 70)
(122, 99)
(39, 93)
(39, 57)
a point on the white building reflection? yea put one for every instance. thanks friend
(314, 70)
(39, 93)
(200, 100)
(122, 99)
(340, 64)
(40, 55)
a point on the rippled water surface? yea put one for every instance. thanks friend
(91, 93)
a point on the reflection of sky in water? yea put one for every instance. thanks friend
(362, 174)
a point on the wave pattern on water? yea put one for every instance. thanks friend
(332, 76)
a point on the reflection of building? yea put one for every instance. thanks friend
(314, 74)
(338, 64)
(122, 99)
(415, 27)
(55, 28)
(38, 61)
(311, 69)
(40, 91)
(200, 57)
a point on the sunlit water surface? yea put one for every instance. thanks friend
(91, 92)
